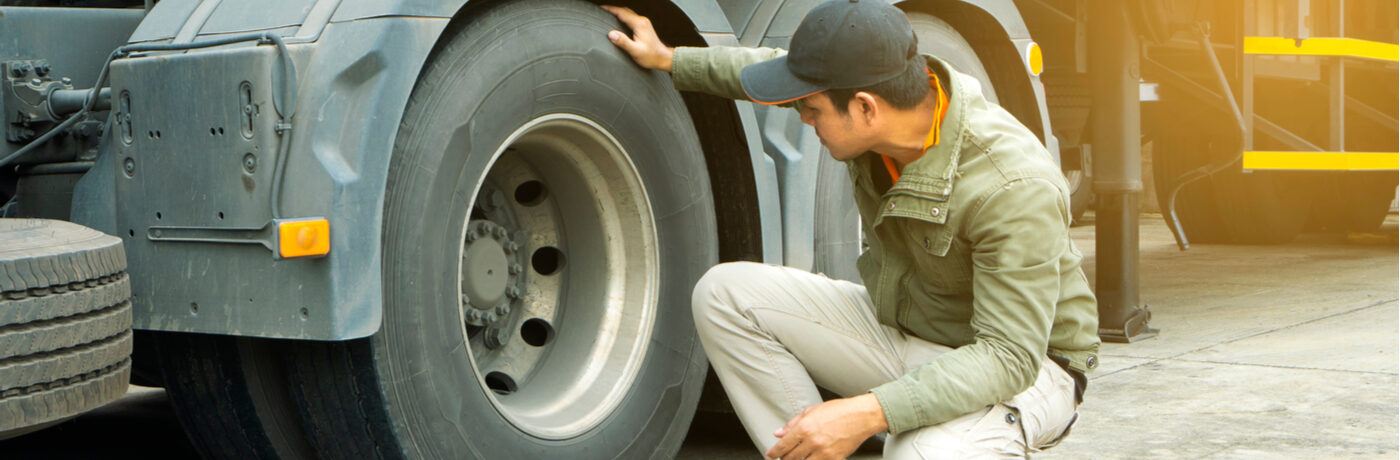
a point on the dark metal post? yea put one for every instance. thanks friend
(1113, 68)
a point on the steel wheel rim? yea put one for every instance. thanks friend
(573, 335)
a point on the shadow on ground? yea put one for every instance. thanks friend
(139, 425)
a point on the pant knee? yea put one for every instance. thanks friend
(715, 293)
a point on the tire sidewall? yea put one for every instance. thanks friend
(498, 74)
(940, 39)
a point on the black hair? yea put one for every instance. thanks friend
(904, 91)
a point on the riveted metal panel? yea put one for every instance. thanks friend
(200, 155)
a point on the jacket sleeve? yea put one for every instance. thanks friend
(1017, 236)
(715, 70)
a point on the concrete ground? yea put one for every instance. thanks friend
(1282, 351)
(1264, 351)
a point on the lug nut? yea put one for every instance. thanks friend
(515, 269)
(466, 300)
(495, 338)
(500, 233)
(513, 292)
(511, 247)
(502, 309)
(491, 200)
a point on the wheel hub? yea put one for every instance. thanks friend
(557, 346)
(491, 278)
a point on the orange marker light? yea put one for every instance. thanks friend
(302, 238)
(1034, 60)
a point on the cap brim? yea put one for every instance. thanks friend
(771, 83)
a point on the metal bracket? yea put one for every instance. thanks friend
(1133, 330)
(267, 236)
(27, 86)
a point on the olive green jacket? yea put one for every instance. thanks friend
(970, 248)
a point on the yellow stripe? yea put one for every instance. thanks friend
(1322, 161)
(1323, 47)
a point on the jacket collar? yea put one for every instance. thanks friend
(939, 165)
(925, 186)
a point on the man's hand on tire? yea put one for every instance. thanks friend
(644, 46)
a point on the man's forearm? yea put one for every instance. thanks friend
(715, 70)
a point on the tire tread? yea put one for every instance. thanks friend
(65, 321)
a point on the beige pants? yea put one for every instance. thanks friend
(774, 334)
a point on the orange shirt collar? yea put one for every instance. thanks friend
(934, 133)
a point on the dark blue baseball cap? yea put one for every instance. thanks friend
(841, 44)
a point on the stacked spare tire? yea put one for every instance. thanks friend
(65, 322)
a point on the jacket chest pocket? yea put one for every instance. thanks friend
(918, 214)
(941, 260)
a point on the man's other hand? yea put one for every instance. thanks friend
(830, 430)
(644, 46)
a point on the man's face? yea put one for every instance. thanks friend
(837, 130)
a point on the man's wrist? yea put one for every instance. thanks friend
(873, 413)
(668, 59)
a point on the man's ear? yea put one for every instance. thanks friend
(864, 107)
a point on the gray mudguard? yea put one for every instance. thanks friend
(188, 177)
(202, 166)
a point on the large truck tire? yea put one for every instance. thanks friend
(65, 322)
(837, 232)
(1263, 207)
(231, 396)
(1352, 201)
(1230, 206)
(546, 216)
(1177, 154)
(938, 38)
